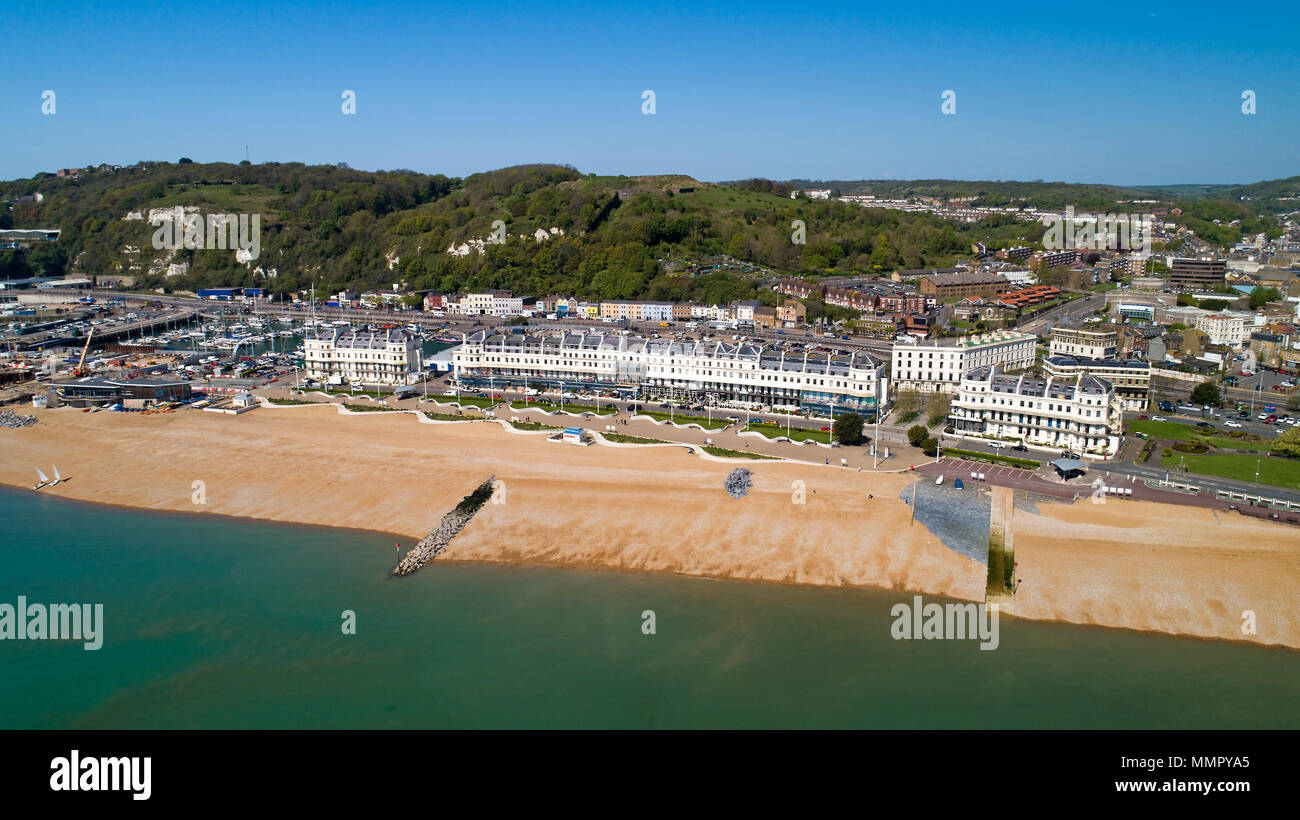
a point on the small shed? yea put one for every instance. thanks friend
(1068, 468)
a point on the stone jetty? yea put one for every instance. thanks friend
(452, 523)
(12, 420)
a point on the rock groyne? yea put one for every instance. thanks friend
(433, 544)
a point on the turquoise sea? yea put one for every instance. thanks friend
(225, 623)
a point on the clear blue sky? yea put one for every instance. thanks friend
(1130, 94)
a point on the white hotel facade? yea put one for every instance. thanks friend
(343, 355)
(1081, 413)
(938, 365)
(740, 371)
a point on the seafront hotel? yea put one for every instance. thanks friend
(343, 356)
(1081, 412)
(736, 372)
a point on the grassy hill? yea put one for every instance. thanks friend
(605, 236)
(341, 228)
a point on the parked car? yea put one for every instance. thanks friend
(1205, 424)
(826, 429)
(1020, 448)
(1159, 418)
(1143, 417)
(997, 445)
(1231, 423)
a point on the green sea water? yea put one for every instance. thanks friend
(223, 623)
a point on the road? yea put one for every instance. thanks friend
(1073, 311)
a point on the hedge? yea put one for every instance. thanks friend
(1010, 461)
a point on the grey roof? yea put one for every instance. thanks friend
(1066, 465)
(1081, 361)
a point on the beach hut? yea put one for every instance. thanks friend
(575, 435)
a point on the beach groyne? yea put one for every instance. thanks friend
(433, 544)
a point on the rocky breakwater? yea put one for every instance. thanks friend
(12, 420)
(433, 544)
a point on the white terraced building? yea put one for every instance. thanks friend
(740, 371)
(343, 355)
(938, 365)
(1080, 413)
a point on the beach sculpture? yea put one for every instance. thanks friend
(738, 482)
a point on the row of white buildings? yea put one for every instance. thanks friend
(726, 372)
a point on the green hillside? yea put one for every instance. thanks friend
(340, 228)
(605, 237)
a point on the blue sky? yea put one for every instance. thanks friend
(1142, 94)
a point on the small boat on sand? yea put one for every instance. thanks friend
(44, 479)
(956, 483)
(938, 481)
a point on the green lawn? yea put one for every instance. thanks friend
(293, 401)
(568, 407)
(625, 439)
(465, 401)
(374, 394)
(447, 416)
(1273, 470)
(795, 434)
(715, 424)
(533, 425)
(1236, 443)
(723, 452)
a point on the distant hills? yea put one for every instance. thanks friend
(597, 237)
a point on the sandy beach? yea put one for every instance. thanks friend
(1124, 564)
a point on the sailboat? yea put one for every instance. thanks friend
(44, 479)
(938, 481)
(57, 477)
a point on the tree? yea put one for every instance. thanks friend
(908, 401)
(939, 406)
(1288, 444)
(930, 445)
(186, 161)
(1261, 296)
(1207, 393)
(848, 429)
(916, 434)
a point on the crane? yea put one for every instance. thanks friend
(81, 363)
